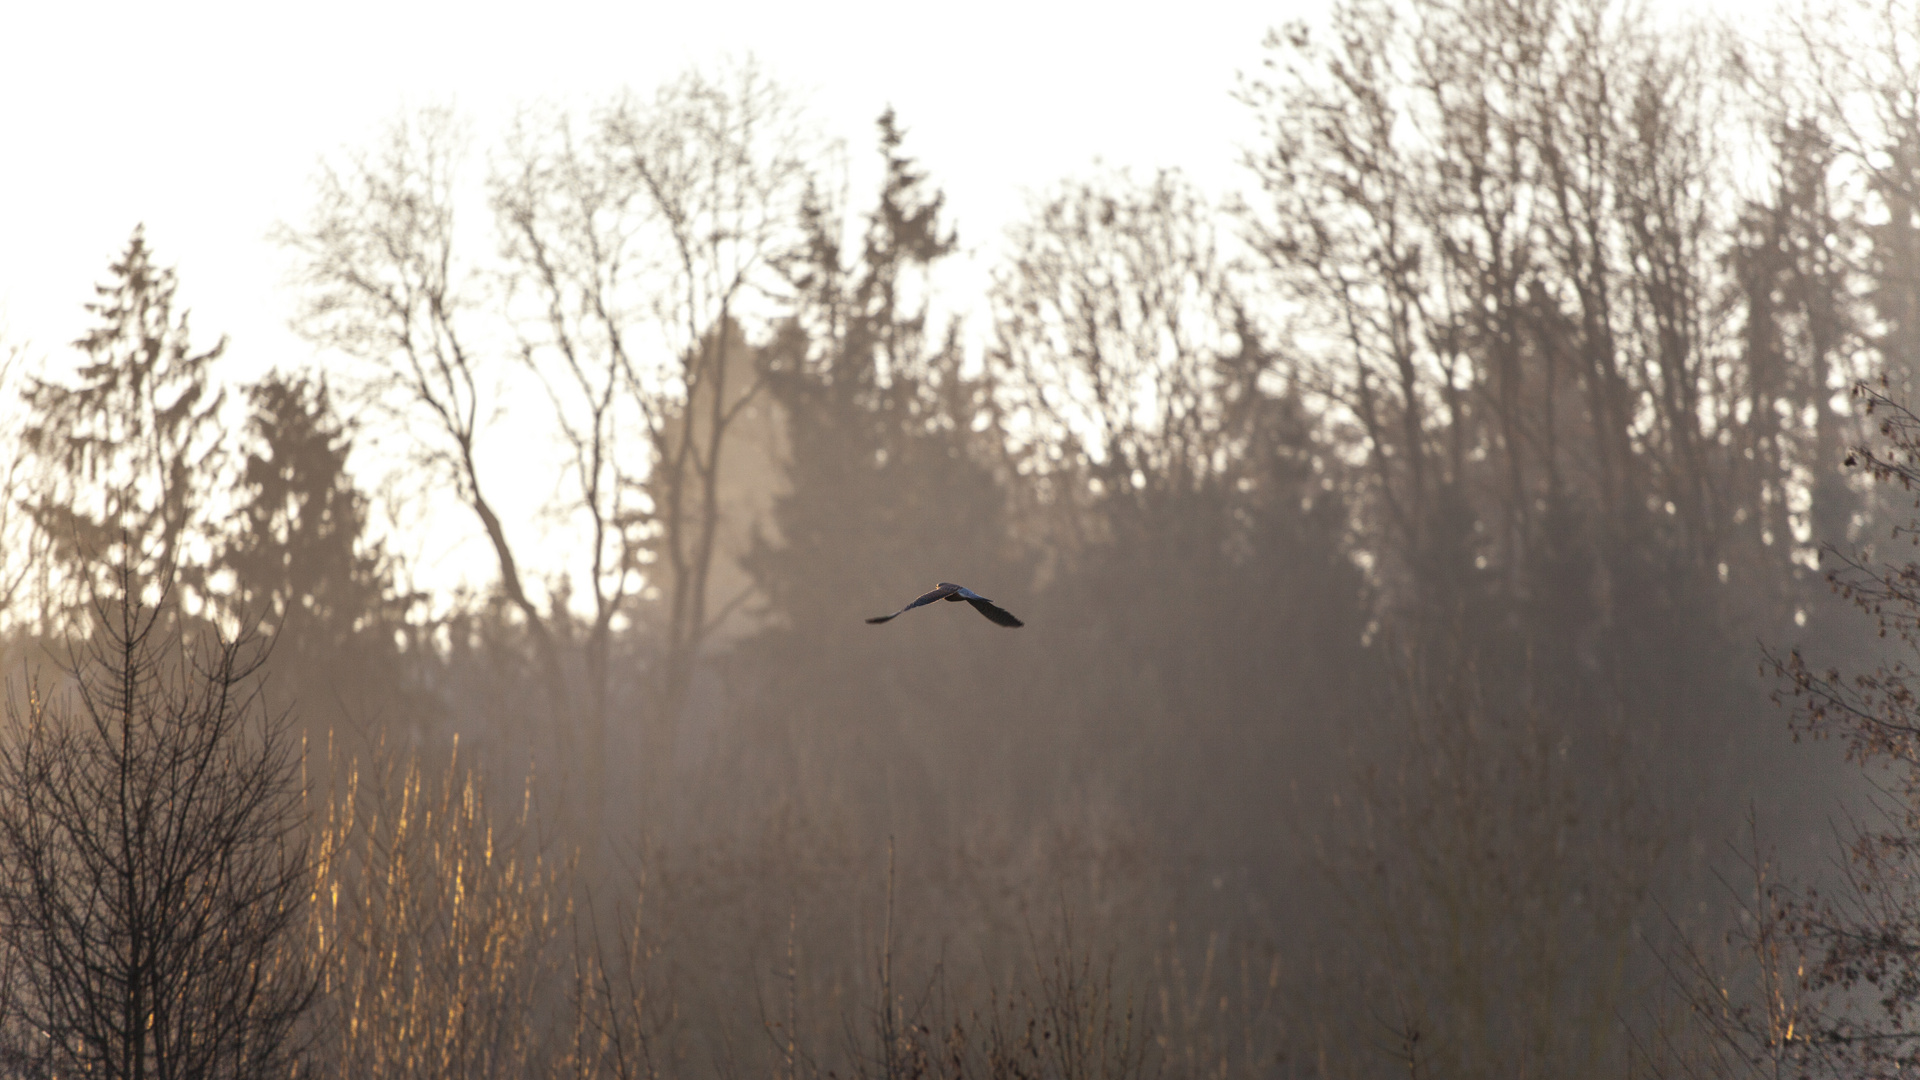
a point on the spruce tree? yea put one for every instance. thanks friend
(128, 447)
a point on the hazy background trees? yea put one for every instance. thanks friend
(1393, 534)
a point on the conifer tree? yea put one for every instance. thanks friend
(127, 448)
(888, 484)
(303, 573)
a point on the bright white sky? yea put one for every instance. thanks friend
(205, 121)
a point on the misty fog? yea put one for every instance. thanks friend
(1463, 570)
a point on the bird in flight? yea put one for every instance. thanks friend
(952, 593)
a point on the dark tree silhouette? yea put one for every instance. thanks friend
(129, 448)
(154, 884)
(303, 574)
(891, 461)
(1195, 517)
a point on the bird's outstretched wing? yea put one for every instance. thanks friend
(941, 593)
(994, 611)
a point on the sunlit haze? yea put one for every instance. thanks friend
(1382, 553)
(207, 122)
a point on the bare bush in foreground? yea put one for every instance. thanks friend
(153, 879)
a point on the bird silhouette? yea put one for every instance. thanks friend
(952, 593)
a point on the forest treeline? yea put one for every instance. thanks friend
(1409, 547)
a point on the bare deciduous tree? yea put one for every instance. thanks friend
(1852, 1006)
(635, 258)
(1509, 229)
(1121, 336)
(571, 229)
(153, 875)
(724, 163)
(385, 283)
